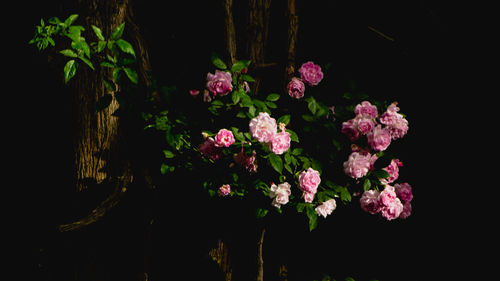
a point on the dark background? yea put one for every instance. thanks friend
(421, 69)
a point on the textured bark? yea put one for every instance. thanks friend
(230, 30)
(293, 26)
(220, 255)
(260, 255)
(101, 150)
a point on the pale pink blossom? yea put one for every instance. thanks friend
(387, 196)
(393, 171)
(406, 210)
(280, 143)
(309, 180)
(403, 191)
(263, 127)
(219, 83)
(357, 165)
(326, 208)
(392, 210)
(311, 73)
(349, 128)
(364, 123)
(366, 108)
(224, 190)
(395, 123)
(224, 138)
(379, 138)
(296, 88)
(280, 194)
(308, 196)
(370, 201)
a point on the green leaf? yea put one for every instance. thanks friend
(301, 207)
(168, 154)
(345, 195)
(108, 64)
(125, 46)
(69, 53)
(81, 45)
(293, 135)
(117, 32)
(71, 19)
(313, 217)
(109, 85)
(261, 212)
(98, 32)
(103, 102)
(271, 104)
(240, 65)
(367, 185)
(217, 61)
(285, 119)
(273, 97)
(131, 74)
(88, 62)
(70, 70)
(276, 162)
(381, 174)
(166, 168)
(74, 33)
(297, 151)
(100, 46)
(312, 105)
(116, 74)
(308, 118)
(247, 78)
(235, 97)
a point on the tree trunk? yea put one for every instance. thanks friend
(102, 157)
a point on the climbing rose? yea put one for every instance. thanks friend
(366, 108)
(224, 138)
(403, 191)
(219, 83)
(326, 208)
(406, 210)
(395, 122)
(209, 149)
(280, 194)
(224, 190)
(387, 196)
(296, 88)
(280, 143)
(309, 180)
(263, 127)
(369, 201)
(379, 138)
(308, 196)
(311, 73)
(350, 129)
(357, 165)
(393, 170)
(392, 210)
(246, 161)
(364, 123)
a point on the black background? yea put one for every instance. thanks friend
(423, 69)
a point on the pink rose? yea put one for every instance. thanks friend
(296, 88)
(263, 127)
(219, 83)
(393, 170)
(208, 149)
(280, 143)
(309, 180)
(246, 161)
(387, 196)
(350, 129)
(224, 138)
(224, 190)
(393, 210)
(366, 108)
(394, 122)
(280, 194)
(358, 165)
(308, 196)
(326, 208)
(194, 92)
(403, 191)
(311, 73)
(364, 124)
(370, 201)
(379, 138)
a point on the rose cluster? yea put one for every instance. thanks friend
(310, 73)
(393, 202)
(264, 129)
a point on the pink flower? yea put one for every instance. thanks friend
(296, 88)
(280, 143)
(311, 73)
(364, 123)
(370, 201)
(224, 138)
(263, 128)
(403, 191)
(219, 83)
(366, 108)
(358, 165)
(394, 122)
(308, 196)
(350, 129)
(379, 138)
(326, 208)
(224, 190)
(393, 210)
(393, 170)
(406, 210)
(387, 196)
(280, 194)
(246, 161)
(209, 149)
(194, 92)
(309, 180)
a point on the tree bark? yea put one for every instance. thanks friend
(230, 30)
(101, 149)
(260, 255)
(293, 26)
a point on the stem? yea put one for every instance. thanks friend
(260, 257)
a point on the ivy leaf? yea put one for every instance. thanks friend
(125, 46)
(276, 162)
(117, 32)
(313, 217)
(70, 70)
(97, 32)
(131, 74)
